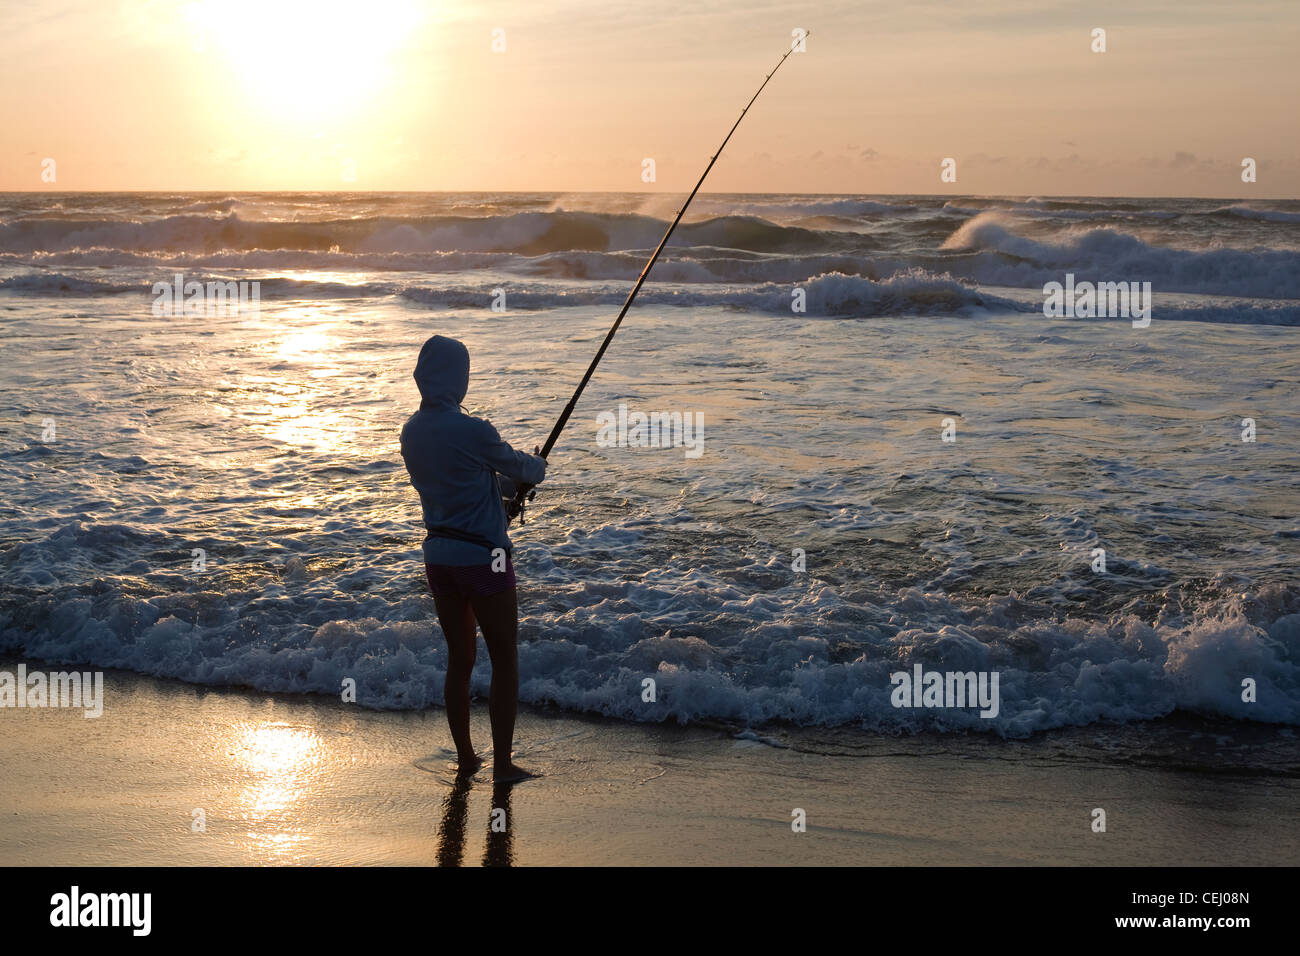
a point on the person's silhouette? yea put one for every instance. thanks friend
(461, 467)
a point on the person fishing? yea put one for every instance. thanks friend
(463, 469)
(457, 463)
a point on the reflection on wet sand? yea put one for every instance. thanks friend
(499, 850)
(500, 838)
(279, 762)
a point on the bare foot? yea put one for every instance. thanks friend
(510, 772)
(468, 765)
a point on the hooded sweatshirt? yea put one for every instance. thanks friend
(454, 461)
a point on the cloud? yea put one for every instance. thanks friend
(228, 155)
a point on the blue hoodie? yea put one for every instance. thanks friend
(454, 461)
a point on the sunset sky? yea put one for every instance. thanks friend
(409, 94)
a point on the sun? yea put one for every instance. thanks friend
(309, 59)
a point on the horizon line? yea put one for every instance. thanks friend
(614, 192)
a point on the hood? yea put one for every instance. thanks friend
(442, 372)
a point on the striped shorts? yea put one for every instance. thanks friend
(470, 580)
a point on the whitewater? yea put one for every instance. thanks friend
(220, 499)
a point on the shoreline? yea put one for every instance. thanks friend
(291, 779)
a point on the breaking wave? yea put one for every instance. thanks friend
(285, 628)
(997, 254)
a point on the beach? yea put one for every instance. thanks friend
(305, 781)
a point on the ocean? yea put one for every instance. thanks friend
(902, 461)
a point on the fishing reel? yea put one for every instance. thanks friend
(515, 506)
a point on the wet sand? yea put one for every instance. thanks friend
(302, 780)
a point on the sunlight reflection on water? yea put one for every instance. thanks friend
(280, 762)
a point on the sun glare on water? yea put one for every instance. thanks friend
(276, 763)
(305, 58)
(309, 344)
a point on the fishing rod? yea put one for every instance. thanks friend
(526, 492)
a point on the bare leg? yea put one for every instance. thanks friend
(498, 616)
(457, 620)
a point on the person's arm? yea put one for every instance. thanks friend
(516, 466)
